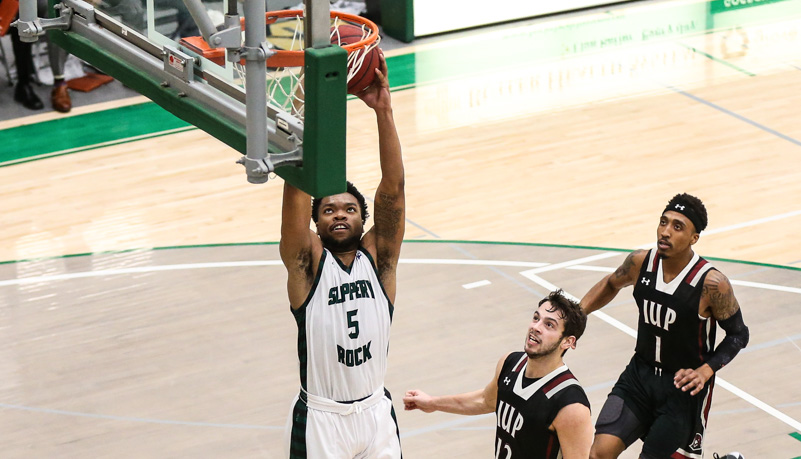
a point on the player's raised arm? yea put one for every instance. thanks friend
(390, 202)
(300, 248)
(606, 289)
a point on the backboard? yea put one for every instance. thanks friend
(140, 45)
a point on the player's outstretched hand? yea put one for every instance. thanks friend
(417, 400)
(376, 96)
(692, 380)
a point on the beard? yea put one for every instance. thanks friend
(341, 245)
(542, 352)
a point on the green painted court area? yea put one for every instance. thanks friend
(526, 45)
(80, 132)
(119, 125)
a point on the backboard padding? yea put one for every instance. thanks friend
(323, 173)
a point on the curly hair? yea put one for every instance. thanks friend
(693, 209)
(575, 318)
(350, 189)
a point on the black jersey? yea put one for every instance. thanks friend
(671, 334)
(524, 414)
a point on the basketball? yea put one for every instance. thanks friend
(365, 74)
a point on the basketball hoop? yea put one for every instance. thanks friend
(285, 66)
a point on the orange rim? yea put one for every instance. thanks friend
(289, 58)
(285, 58)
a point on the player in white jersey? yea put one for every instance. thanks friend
(341, 285)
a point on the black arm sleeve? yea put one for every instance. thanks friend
(736, 339)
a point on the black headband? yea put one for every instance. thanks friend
(684, 208)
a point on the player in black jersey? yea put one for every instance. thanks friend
(541, 410)
(663, 395)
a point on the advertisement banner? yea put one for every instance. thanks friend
(437, 16)
(720, 6)
(555, 65)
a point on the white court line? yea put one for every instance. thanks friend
(453, 261)
(236, 264)
(578, 261)
(758, 221)
(720, 381)
(480, 283)
(793, 343)
(758, 403)
(423, 261)
(136, 270)
(538, 267)
(723, 229)
(591, 268)
(604, 255)
(530, 274)
(601, 315)
(780, 288)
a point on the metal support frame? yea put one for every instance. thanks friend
(201, 17)
(258, 165)
(31, 27)
(255, 53)
(317, 20)
(229, 37)
(325, 119)
(102, 35)
(166, 76)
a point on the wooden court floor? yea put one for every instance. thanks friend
(132, 351)
(189, 352)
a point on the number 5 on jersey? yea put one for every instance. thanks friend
(353, 324)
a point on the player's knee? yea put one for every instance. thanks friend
(595, 454)
(602, 450)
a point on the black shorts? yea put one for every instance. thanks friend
(645, 404)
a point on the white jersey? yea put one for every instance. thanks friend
(343, 330)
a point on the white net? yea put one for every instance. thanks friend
(285, 89)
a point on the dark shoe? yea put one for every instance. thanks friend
(25, 95)
(60, 99)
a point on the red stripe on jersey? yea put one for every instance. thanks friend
(678, 455)
(701, 326)
(520, 365)
(694, 272)
(704, 336)
(556, 381)
(708, 401)
(655, 263)
(549, 452)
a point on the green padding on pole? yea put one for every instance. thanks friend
(184, 108)
(397, 19)
(325, 123)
